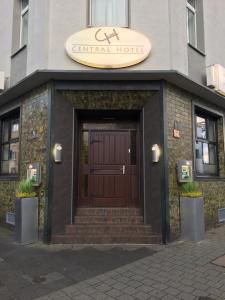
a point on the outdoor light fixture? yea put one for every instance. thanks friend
(155, 153)
(57, 153)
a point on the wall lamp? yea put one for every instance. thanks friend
(57, 153)
(155, 153)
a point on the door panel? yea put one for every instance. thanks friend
(110, 179)
(109, 155)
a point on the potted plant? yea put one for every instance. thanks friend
(192, 212)
(26, 226)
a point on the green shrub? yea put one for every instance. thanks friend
(25, 189)
(190, 189)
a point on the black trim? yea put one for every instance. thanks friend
(209, 178)
(18, 51)
(197, 50)
(9, 117)
(165, 175)
(174, 77)
(114, 85)
(9, 178)
(49, 172)
(197, 111)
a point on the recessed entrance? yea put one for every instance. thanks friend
(109, 164)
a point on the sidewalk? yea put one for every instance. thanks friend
(180, 270)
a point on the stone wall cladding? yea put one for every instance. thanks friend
(129, 100)
(33, 148)
(179, 108)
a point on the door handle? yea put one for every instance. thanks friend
(123, 169)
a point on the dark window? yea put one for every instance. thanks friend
(10, 144)
(206, 145)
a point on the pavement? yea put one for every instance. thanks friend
(180, 270)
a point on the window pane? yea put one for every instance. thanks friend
(109, 13)
(211, 130)
(212, 154)
(24, 3)
(192, 3)
(205, 153)
(5, 167)
(85, 147)
(13, 158)
(191, 28)
(198, 156)
(5, 152)
(201, 127)
(24, 29)
(5, 131)
(14, 129)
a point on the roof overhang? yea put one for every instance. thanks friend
(41, 77)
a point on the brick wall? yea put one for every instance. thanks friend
(179, 108)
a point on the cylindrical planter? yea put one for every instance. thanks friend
(192, 218)
(26, 226)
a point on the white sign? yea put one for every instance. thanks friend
(108, 47)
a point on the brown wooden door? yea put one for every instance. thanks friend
(108, 179)
(108, 164)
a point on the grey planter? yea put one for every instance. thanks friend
(26, 226)
(192, 218)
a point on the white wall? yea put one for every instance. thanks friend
(6, 16)
(214, 20)
(38, 35)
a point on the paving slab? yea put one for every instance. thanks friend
(181, 270)
(33, 271)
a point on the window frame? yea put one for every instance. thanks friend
(23, 12)
(10, 116)
(207, 114)
(89, 15)
(194, 11)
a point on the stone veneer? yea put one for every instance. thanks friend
(129, 100)
(33, 148)
(179, 108)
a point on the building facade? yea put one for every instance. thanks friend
(105, 120)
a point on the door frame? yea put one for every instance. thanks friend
(136, 128)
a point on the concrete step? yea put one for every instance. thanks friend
(106, 239)
(109, 220)
(108, 229)
(108, 212)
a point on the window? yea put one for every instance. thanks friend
(191, 22)
(206, 144)
(24, 22)
(108, 13)
(10, 145)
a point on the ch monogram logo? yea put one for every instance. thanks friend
(101, 36)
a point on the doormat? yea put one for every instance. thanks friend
(219, 261)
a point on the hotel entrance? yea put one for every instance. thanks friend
(109, 164)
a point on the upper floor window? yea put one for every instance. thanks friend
(191, 22)
(24, 22)
(206, 144)
(10, 144)
(108, 13)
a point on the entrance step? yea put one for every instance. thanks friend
(108, 229)
(106, 239)
(108, 226)
(114, 212)
(109, 219)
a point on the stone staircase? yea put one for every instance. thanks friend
(108, 226)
